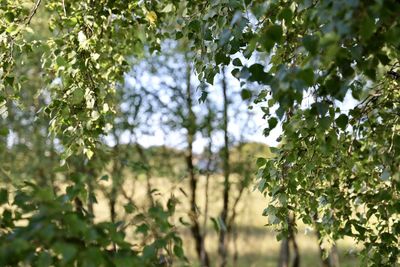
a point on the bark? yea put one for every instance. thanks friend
(284, 255)
(191, 130)
(148, 174)
(90, 193)
(116, 175)
(333, 258)
(208, 169)
(296, 259)
(235, 247)
(222, 246)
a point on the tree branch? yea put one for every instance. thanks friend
(33, 12)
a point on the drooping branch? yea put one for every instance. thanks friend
(33, 11)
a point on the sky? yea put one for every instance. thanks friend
(253, 133)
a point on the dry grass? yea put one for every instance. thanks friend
(256, 244)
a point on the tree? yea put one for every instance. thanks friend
(337, 167)
(339, 160)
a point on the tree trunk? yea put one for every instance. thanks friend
(223, 246)
(148, 174)
(333, 258)
(296, 259)
(284, 255)
(209, 128)
(191, 131)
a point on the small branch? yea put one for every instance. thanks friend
(65, 11)
(33, 12)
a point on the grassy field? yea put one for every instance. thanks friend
(256, 244)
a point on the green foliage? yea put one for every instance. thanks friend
(336, 168)
(43, 229)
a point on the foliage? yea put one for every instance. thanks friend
(44, 229)
(336, 168)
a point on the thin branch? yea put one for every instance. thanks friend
(33, 12)
(65, 11)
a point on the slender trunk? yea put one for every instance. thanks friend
(325, 261)
(222, 247)
(284, 255)
(91, 193)
(292, 238)
(235, 247)
(113, 213)
(284, 258)
(53, 156)
(148, 174)
(333, 258)
(115, 177)
(208, 170)
(191, 130)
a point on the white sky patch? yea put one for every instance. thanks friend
(240, 127)
(157, 137)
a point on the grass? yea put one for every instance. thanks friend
(256, 244)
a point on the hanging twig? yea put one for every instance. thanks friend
(33, 12)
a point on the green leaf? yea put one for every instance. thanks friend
(3, 130)
(67, 251)
(215, 224)
(261, 162)
(129, 208)
(367, 28)
(342, 121)
(178, 251)
(3, 196)
(221, 57)
(272, 122)
(237, 62)
(61, 61)
(77, 96)
(95, 56)
(9, 80)
(307, 75)
(324, 123)
(44, 259)
(104, 178)
(9, 16)
(195, 26)
(258, 74)
(245, 94)
(273, 34)
(286, 14)
(311, 43)
(89, 153)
